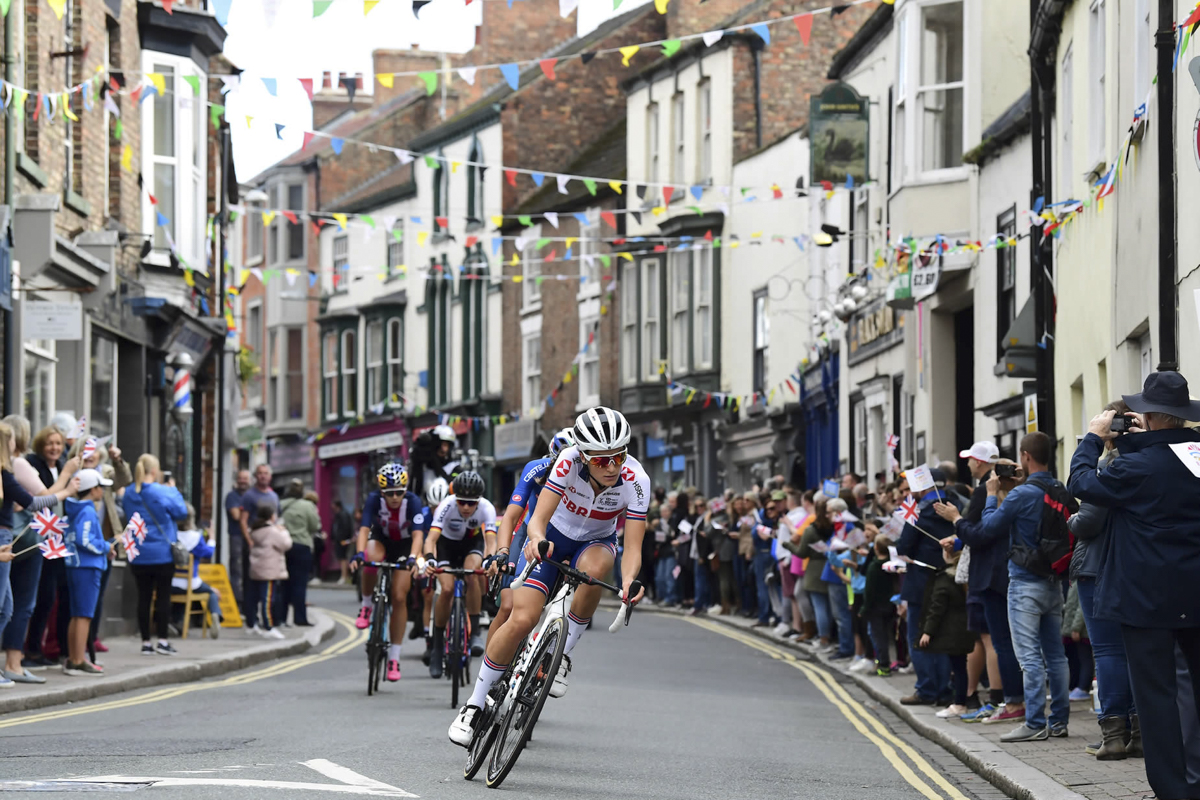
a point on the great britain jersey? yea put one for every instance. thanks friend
(582, 514)
(396, 523)
(452, 524)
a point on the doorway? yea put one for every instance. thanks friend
(964, 383)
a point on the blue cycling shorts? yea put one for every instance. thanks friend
(544, 576)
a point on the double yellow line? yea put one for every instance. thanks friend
(862, 720)
(354, 639)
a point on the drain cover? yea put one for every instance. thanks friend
(69, 786)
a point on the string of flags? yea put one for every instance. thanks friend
(729, 401)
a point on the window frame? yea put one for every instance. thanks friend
(256, 239)
(349, 371)
(679, 311)
(395, 248)
(373, 363)
(921, 89)
(285, 412)
(760, 345)
(289, 229)
(341, 261)
(651, 317)
(253, 339)
(589, 356)
(441, 194)
(704, 133)
(1006, 279)
(1097, 63)
(630, 324)
(702, 301)
(394, 369)
(1065, 122)
(589, 250)
(653, 153)
(531, 394)
(678, 139)
(1143, 50)
(531, 270)
(330, 375)
(473, 294)
(475, 176)
(273, 372)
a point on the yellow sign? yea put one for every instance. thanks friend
(1031, 413)
(216, 577)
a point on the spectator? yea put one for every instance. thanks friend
(681, 542)
(943, 625)
(319, 540)
(664, 564)
(259, 492)
(1119, 727)
(194, 540)
(239, 551)
(878, 609)
(302, 523)
(919, 542)
(850, 480)
(161, 507)
(1035, 599)
(1080, 663)
(701, 555)
(791, 571)
(817, 532)
(268, 567)
(1151, 567)
(747, 511)
(13, 493)
(341, 533)
(724, 541)
(764, 560)
(88, 554)
(48, 458)
(838, 573)
(860, 493)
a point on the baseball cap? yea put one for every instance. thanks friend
(939, 478)
(986, 452)
(90, 479)
(779, 494)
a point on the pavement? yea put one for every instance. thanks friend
(1056, 769)
(126, 669)
(666, 709)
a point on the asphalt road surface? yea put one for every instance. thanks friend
(664, 709)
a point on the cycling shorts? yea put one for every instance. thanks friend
(395, 550)
(514, 552)
(544, 576)
(452, 553)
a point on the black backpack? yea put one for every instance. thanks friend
(1051, 556)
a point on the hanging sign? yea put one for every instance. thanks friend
(839, 130)
(47, 320)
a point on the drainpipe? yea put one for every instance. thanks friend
(1168, 311)
(10, 170)
(1041, 287)
(219, 517)
(756, 49)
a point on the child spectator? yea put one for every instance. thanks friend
(944, 630)
(86, 561)
(193, 539)
(268, 569)
(877, 608)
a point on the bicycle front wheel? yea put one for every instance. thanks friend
(454, 655)
(377, 646)
(531, 695)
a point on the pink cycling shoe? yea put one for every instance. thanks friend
(393, 673)
(364, 618)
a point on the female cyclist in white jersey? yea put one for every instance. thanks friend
(589, 486)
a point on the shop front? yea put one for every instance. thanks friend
(819, 400)
(346, 463)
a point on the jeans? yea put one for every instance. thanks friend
(53, 572)
(840, 603)
(702, 597)
(1035, 618)
(1108, 648)
(664, 580)
(23, 578)
(995, 612)
(299, 566)
(933, 669)
(741, 602)
(6, 596)
(763, 564)
(214, 607)
(824, 615)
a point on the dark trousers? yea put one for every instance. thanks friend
(725, 579)
(299, 566)
(53, 573)
(94, 628)
(1151, 654)
(267, 601)
(958, 678)
(153, 582)
(881, 623)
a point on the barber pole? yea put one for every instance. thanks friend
(183, 391)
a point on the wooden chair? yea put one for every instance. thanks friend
(188, 598)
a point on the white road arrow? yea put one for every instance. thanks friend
(350, 782)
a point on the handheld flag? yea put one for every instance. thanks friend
(908, 509)
(53, 548)
(47, 523)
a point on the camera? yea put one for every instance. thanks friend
(1006, 470)
(1120, 424)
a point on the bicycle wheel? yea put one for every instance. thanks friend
(485, 732)
(454, 650)
(527, 705)
(376, 650)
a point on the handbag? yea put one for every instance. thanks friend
(179, 553)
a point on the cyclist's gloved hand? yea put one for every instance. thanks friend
(355, 560)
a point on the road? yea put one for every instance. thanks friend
(665, 709)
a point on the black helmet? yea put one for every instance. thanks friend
(468, 486)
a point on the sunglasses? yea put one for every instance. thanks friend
(602, 462)
(394, 493)
(467, 502)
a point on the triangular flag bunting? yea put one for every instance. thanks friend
(763, 32)
(804, 24)
(267, 82)
(547, 65)
(628, 52)
(431, 81)
(512, 74)
(386, 79)
(307, 85)
(510, 175)
(320, 7)
(671, 47)
(467, 74)
(712, 37)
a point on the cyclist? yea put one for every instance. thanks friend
(516, 518)
(590, 484)
(456, 539)
(390, 532)
(435, 493)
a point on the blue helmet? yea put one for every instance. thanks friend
(393, 477)
(561, 441)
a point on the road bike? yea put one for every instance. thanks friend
(379, 638)
(457, 648)
(515, 702)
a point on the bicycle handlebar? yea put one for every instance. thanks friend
(626, 607)
(389, 564)
(459, 571)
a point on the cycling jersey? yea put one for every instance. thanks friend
(452, 524)
(530, 485)
(394, 523)
(584, 515)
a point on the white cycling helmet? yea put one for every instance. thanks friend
(445, 433)
(601, 428)
(561, 441)
(436, 492)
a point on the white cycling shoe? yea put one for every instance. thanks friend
(462, 730)
(559, 687)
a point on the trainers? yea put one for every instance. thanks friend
(906, 669)
(273, 633)
(862, 665)
(100, 647)
(364, 618)
(393, 672)
(5, 683)
(1024, 733)
(1059, 732)
(883, 672)
(1079, 695)
(462, 730)
(85, 669)
(952, 711)
(915, 700)
(781, 629)
(559, 687)
(147, 649)
(1005, 714)
(1092, 749)
(165, 649)
(36, 662)
(979, 714)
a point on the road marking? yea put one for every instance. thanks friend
(351, 782)
(353, 640)
(855, 713)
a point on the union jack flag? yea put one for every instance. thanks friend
(131, 550)
(136, 528)
(908, 509)
(47, 523)
(89, 448)
(893, 441)
(53, 547)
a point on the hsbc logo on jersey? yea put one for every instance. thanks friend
(563, 469)
(627, 474)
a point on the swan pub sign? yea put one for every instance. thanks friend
(839, 130)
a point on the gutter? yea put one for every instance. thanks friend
(1046, 31)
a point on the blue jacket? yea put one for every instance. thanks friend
(1151, 565)
(84, 538)
(919, 547)
(161, 506)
